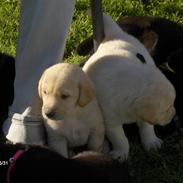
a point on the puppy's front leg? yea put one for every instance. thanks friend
(116, 136)
(58, 144)
(96, 140)
(148, 136)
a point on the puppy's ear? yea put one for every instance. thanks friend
(86, 91)
(149, 39)
(147, 110)
(40, 85)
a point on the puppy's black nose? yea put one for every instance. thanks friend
(50, 114)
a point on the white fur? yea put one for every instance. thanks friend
(129, 90)
(67, 92)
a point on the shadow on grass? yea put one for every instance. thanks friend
(164, 165)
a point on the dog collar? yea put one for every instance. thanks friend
(12, 162)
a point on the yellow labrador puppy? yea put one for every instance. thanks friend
(70, 109)
(130, 88)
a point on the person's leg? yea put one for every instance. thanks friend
(43, 28)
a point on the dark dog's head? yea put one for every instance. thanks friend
(39, 164)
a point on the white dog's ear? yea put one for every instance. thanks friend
(86, 91)
(40, 85)
(150, 40)
(148, 111)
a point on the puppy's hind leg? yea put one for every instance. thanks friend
(120, 145)
(148, 136)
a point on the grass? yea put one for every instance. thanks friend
(162, 166)
(158, 166)
(9, 16)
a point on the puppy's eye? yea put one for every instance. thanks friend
(45, 92)
(64, 96)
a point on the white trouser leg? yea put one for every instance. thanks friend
(43, 28)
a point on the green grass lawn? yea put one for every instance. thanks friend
(162, 166)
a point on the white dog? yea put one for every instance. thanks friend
(70, 109)
(130, 88)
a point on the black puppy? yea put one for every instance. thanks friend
(41, 165)
(164, 40)
(7, 75)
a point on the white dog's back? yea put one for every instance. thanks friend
(123, 85)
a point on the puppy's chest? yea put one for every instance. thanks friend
(77, 136)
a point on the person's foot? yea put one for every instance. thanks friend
(19, 129)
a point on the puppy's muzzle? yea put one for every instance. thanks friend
(49, 112)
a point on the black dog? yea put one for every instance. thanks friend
(41, 165)
(7, 75)
(164, 40)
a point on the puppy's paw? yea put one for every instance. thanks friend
(119, 155)
(153, 143)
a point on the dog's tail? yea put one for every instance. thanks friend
(111, 28)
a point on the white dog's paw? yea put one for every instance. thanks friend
(153, 143)
(120, 155)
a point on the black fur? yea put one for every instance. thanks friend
(141, 58)
(7, 75)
